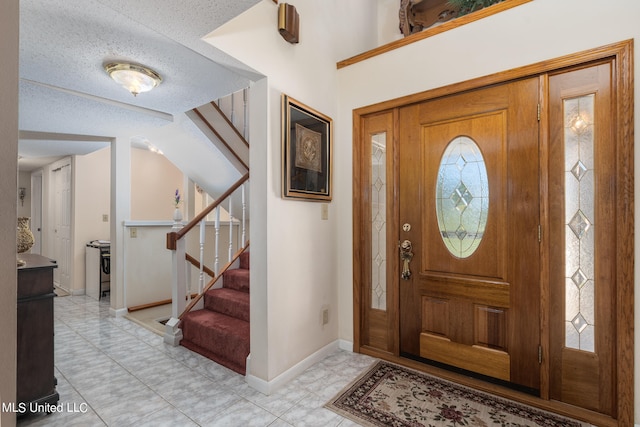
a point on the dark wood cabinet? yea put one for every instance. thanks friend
(36, 383)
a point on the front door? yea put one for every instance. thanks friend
(469, 232)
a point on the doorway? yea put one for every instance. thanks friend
(62, 247)
(463, 214)
(469, 205)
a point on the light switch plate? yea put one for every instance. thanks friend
(324, 211)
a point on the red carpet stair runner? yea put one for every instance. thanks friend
(220, 331)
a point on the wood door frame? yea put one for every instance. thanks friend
(621, 55)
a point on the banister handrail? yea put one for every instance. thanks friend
(217, 134)
(196, 264)
(174, 236)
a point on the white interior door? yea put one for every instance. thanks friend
(36, 212)
(62, 224)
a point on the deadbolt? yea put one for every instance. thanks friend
(406, 227)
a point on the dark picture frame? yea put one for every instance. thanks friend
(307, 150)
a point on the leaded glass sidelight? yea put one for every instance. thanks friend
(378, 221)
(462, 197)
(579, 223)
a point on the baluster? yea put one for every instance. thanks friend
(244, 114)
(230, 227)
(179, 279)
(232, 110)
(203, 225)
(216, 265)
(244, 217)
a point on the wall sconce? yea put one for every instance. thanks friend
(288, 22)
(22, 192)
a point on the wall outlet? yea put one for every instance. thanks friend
(325, 316)
(105, 218)
(133, 232)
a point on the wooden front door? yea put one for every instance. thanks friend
(469, 203)
(516, 192)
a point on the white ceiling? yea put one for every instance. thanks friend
(65, 90)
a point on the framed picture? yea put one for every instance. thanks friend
(307, 138)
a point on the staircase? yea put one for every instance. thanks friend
(220, 330)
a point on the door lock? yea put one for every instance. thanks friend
(406, 227)
(405, 255)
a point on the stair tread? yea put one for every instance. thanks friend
(209, 318)
(244, 260)
(238, 271)
(229, 293)
(221, 338)
(238, 279)
(228, 301)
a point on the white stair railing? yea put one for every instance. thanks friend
(177, 242)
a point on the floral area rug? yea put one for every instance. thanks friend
(391, 395)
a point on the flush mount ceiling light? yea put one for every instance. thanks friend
(135, 78)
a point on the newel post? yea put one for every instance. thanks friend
(173, 334)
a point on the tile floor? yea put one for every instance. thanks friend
(114, 372)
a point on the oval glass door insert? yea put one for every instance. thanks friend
(462, 197)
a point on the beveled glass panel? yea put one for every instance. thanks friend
(586, 302)
(572, 297)
(462, 197)
(579, 210)
(587, 339)
(572, 337)
(379, 221)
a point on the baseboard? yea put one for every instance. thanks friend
(345, 345)
(269, 387)
(75, 292)
(117, 312)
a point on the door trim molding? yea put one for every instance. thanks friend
(621, 54)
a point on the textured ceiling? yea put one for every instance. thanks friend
(65, 43)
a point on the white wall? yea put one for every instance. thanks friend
(533, 32)
(92, 182)
(154, 180)
(298, 276)
(147, 263)
(388, 21)
(9, 19)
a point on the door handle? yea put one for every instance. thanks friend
(405, 255)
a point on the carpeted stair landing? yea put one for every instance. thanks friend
(220, 331)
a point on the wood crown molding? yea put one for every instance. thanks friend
(429, 32)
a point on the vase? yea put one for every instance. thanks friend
(177, 215)
(25, 236)
(177, 220)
